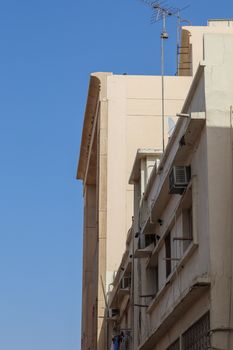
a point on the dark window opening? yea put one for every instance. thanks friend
(197, 336)
(168, 254)
(175, 345)
(152, 281)
(187, 228)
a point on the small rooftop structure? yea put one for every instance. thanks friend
(142, 153)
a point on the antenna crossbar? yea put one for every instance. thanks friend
(160, 9)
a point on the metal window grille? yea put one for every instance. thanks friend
(175, 345)
(196, 337)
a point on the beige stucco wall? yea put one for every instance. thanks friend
(134, 121)
(196, 41)
(90, 276)
(219, 99)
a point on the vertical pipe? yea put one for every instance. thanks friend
(229, 340)
(162, 75)
(133, 284)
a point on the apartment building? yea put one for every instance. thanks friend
(122, 113)
(173, 289)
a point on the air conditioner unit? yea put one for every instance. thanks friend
(113, 313)
(179, 179)
(125, 282)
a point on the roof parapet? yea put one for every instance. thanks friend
(96, 80)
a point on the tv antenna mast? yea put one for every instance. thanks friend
(160, 13)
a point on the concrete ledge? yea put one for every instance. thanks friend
(187, 298)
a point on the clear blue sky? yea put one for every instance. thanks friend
(47, 50)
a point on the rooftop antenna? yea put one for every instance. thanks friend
(160, 13)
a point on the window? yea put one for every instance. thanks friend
(196, 337)
(175, 345)
(171, 126)
(146, 240)
(139, 326)
(152, 281)
(182, 234)
(125, 282)
(126, 320)
(187, 228)
(168, 254)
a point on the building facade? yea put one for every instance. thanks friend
(181, 234)
(156, 256)
(121, 113)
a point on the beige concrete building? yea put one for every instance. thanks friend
(180, 294)
(122, 113)
(177, 262)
